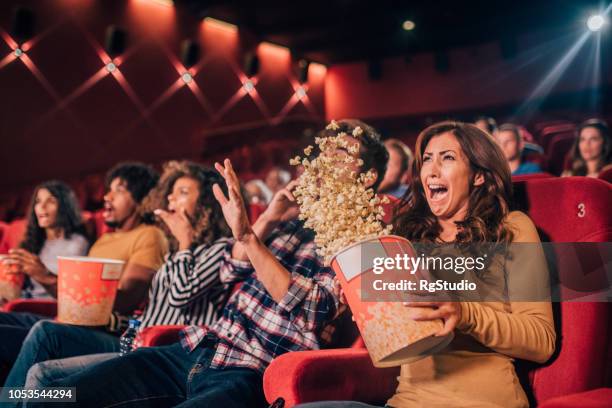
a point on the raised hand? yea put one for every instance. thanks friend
(283, 206)
(179, 225)
(233, 207)
(449, 312)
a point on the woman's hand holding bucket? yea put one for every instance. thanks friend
(449, 312)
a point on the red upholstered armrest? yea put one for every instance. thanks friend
(160, 335)
(43, 307)
(598, 398)
(335, 374)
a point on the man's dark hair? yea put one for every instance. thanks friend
(139, 178)
(511, 127)
(373, 153)
(491, 123)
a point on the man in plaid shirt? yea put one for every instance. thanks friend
(284, 303)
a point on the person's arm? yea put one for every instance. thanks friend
(524, 331)
(191, 277)
(270, 272)
(133, 288)
(144, 261)
(32, 266)
(527, 331)
(283, 207)
(308, 291)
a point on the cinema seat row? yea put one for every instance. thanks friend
(569, 210)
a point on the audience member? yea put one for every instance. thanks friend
(277, 179)
(140, 246)
(592, 150)
(509, 138)
(397, 177)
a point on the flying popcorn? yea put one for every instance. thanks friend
(334, 200)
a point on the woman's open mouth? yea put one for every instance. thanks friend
(437, 192)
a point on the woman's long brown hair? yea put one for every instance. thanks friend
(488, 203)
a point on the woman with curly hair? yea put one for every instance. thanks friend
(592, 149)
(54, 228)
(187, 288)
(460, 196)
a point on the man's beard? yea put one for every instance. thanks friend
(112, 224)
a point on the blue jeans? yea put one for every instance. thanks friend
(164, 377)
(44, 373)
(14, 328)
(48, 340)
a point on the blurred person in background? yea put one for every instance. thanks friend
(508, 137)
(591, 152)
(277, 178)
(258, 192)
(397, 177)
(486, 123)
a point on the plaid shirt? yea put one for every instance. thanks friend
(253, 328)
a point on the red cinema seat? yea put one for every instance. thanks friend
(559, 148)
(15, 232)
(531, 176)
(564, 210)
(43, 307)
(550, 132)
(606, 174)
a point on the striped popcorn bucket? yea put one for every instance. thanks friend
(86, 289)
(10, 283)
(391, 336)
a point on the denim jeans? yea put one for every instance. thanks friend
(43, 373)
(48, 340)
(14, 328)
(164, 377)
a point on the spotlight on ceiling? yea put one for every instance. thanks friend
(110, 67)
(190, 53)
(596, 22)
(303, 67)
(187, 77)
(115, 41)
(18, 52)
(251, 64)
(248, 86)
(408, 25)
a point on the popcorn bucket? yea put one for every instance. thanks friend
(391, 336)
(86, 289)
(10, 284)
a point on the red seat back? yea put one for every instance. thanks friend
(574, 209)
(558, 150)
(548, 133)
(570, 209)
(606, 174)
(15, 232)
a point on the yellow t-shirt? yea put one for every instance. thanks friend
(144, 245)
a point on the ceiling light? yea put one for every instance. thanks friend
(300, 92)
(408, 25)
(187, 77)
(248, 85)
(596, 22)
